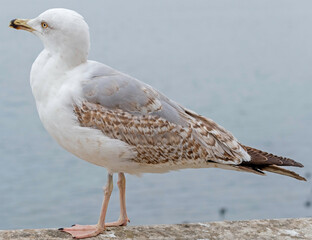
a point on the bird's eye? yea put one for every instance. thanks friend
(44, 25)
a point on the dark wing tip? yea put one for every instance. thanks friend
(259, 157)
(298, 164)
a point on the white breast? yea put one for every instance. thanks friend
(55, 94)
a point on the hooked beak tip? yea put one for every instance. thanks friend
(12, 24)
(21, 24)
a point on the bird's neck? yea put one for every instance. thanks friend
(48, 73)
(70, 58)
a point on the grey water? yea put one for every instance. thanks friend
(245, 64)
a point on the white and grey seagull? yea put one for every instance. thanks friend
(115, 121)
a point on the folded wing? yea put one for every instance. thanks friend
(146, 119)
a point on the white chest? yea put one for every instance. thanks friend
(56, 93)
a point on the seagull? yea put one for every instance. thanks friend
(115, 121)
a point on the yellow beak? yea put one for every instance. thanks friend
(21, 24)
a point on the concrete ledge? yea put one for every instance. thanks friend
(282, 229)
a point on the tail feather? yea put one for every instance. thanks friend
(263, 161)
(282, 171)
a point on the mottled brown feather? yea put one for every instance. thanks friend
(211, 131)
(153, 138)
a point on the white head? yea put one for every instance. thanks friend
(63, 32)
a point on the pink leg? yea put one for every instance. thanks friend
(85, 231)
(123, 218)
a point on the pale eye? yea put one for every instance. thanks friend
(44, 25)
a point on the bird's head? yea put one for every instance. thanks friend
(62, 31)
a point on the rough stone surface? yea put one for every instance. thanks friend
(283, 229)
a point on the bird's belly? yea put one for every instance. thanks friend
(86, 143)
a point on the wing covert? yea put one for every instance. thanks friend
(118, 92)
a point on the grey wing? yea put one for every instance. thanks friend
(116, 91)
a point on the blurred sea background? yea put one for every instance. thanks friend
(245, 64)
